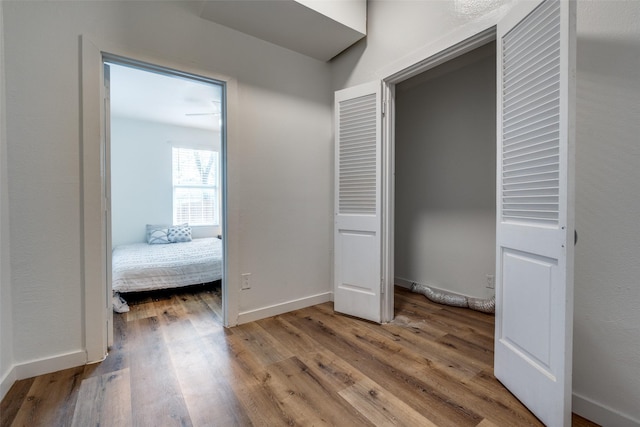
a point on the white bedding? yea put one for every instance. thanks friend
(144, 267)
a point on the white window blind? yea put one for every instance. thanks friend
(195, 186)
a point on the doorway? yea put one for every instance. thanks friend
(364, 234)
(445, 173)
(165, 144)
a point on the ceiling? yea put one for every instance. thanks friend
(150, 96)
(305, 26)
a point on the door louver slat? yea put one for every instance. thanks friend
(530, 119)
(357, 156)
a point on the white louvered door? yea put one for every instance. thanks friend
(357, 245)
(535, 224)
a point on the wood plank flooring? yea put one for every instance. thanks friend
(173, 363)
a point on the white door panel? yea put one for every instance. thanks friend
(528, 306)
(357, 263)
(533, 240)
(534, 255)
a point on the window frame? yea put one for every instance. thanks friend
(214, 187)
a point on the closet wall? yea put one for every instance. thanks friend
(445, 175)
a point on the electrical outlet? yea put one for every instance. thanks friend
(246, 283)
(491, 281)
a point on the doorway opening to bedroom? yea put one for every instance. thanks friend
(164, 161)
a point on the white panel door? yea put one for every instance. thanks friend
(357, 245)
(535, 224)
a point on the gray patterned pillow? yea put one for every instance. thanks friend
(151, 228)
(180, 233)
(158, 236)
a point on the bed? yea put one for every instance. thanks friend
(142, 267)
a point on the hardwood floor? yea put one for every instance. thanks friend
(173, 363)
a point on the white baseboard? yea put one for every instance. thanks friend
(601, 414)
(47, 365)
(36, 367)
(274, 310)
(403, 283)
(7, 381)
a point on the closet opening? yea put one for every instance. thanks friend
(444, 226)
(164, 173)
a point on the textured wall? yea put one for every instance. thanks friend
(6, 312)
(607, 262)
(401, 32)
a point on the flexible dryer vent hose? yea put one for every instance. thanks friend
(478, 304)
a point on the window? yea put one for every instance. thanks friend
(195, 187)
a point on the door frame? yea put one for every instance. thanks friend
(389, 83)
(95, 188)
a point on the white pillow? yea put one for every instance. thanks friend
(180, 233)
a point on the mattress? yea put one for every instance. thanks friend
(144, 267)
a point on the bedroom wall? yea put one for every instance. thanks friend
(281, 192)
(141, 177)
(606, 318)
(6, 314)
(445, 175)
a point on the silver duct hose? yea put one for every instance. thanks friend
(478, 304)
(440, 297)
(484, 305)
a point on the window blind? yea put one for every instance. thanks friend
(195, 186)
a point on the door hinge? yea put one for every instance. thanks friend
(382, 285)
(384, 108)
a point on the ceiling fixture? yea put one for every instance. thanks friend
(211, 113)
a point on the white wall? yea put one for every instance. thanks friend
(607, 292)
(6, 314)
(400, 32)
(445, 175)
(141, 175)
(281, 193)
(607, 262)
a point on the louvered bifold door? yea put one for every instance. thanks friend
(534, 258)
(357, 261)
